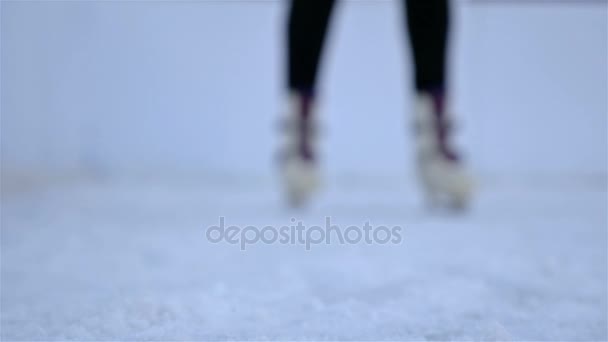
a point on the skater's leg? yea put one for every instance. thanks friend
(307, 28)
(440, 170)
(428, 26)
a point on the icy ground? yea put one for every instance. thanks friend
(124, 260)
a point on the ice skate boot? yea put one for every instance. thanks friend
(441, 172)
(297, 155)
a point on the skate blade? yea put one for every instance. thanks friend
(454, 196)
(301, 182)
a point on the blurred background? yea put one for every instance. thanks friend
(127, 127)
(115, 88)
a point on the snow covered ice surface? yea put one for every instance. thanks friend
(195, 87)
(123, 260)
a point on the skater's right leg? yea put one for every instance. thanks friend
(440, 168)
(307, 29)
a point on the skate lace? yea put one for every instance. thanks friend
(443, 128)
(304, 132)
(303, 129)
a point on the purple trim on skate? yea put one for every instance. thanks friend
(438, 96)
(443, 127)
(305, 112)
(301, 126)
(304, 92)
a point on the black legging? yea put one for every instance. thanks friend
(427, 22)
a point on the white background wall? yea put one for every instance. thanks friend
(195, 87)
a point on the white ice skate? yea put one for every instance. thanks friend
(297, 159)
(441, 173)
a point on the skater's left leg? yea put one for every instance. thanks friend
(306, 33)
(307, 30)
(440, 169)
(428, 27)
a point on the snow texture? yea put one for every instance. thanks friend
(185, 91)
(98, 260)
